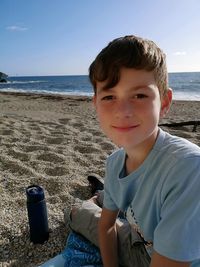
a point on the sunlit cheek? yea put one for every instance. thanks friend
(151, 112)
(156, 114)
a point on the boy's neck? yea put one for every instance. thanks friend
(136, 157)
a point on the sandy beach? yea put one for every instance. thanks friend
(55, 142)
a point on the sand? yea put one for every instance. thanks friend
(55, 142)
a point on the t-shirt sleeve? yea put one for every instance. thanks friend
(177, 236)
(108, 201)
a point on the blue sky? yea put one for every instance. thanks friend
(62, 37)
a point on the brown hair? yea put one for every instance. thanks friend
(129, 52)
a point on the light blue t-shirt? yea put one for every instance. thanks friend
(162, 196)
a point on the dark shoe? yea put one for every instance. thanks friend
(95, 183)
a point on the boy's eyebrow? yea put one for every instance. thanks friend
(144, 86)
(135, 88)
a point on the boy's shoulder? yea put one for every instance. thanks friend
(169, 149)
(178, 147)
(165, 143)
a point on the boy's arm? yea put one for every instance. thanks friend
(158, 260)
(108, 238)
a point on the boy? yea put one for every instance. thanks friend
(154, 177)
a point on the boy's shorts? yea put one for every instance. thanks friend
(132, 252)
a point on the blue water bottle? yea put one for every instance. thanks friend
(37, 214)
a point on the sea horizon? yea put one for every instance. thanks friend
(47, 75)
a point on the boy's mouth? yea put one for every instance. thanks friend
(125, 128)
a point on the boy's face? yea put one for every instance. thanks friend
(129, 112)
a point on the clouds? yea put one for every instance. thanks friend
(180, 53)
(15, 28)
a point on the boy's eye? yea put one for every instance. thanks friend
(108, 97)
(139, 96)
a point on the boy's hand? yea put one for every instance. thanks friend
(158, 260)
(108, 238)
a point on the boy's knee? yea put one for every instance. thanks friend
(84, 220)
(81, 206)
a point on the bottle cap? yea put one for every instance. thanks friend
(35, 193)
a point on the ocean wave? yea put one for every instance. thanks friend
(190, 96)
(72, 93)
(25, 82)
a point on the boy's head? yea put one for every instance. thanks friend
(129, 52)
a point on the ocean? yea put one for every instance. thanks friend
(186, 86)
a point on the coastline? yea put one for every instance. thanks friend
(54, 141)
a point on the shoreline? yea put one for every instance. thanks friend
(85, 97)
(54, 141)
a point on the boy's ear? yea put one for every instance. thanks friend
(166, 102)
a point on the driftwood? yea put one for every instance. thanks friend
(182, 123)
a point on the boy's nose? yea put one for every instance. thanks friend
(124, 109)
